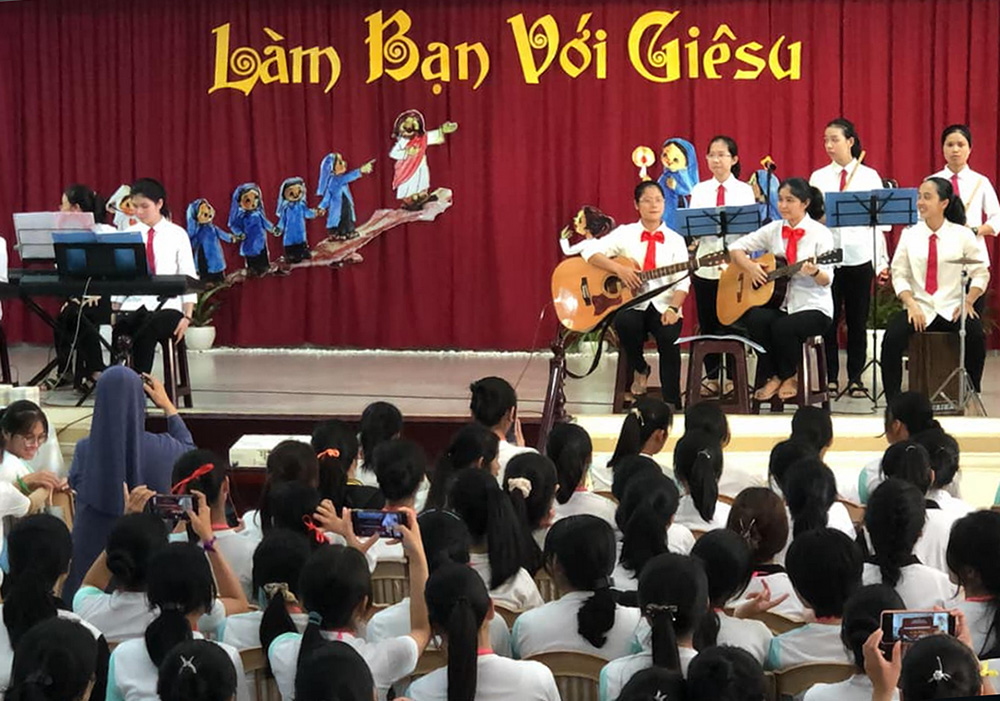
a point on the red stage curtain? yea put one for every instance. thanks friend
(105, 91)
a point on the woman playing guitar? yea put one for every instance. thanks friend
(808, 306)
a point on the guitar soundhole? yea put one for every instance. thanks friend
(612, 285)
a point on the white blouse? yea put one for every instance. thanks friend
(497, 679)
(855, 240)
(519, 593)
(705, 195)
(553, 628)
(920, 587)
(980, 200)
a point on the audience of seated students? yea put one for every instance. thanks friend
(197, 670)
(697, 469)
(25, 430)
(825, 567)
(894, 520)
(708, 417)
(380, 422)
(56, 660)
(810, 490)
(494, 405)
(644, 432)
(530, 482)
(119, 451)
(334, 671)
(645, 517)
(758, 516)
(38, 557)
(473, 446)
(336, 447)
(446, 541)
(726, 673)
(907, 415)
(935, 667)
(972, 557)
(289, 461)
(944, 454)
(460, 609)
(862, 617)
(400, 467)
(726, 559)
(277, 564)
(571, 450)
(336, 592)
(673, 599)
(813, 425)
(498, 552)
(580, 557)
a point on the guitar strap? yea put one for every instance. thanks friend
(606, 324)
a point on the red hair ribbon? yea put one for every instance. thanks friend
(328, 453)
(200, 472)
(316, 531)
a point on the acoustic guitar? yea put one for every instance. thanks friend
(738, 294)
(584, 294)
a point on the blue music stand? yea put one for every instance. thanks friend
(873, 208)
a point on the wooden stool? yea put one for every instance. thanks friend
(623, 382)
(176, 378)
(933, 356)
(740, 403)
(5, 374)
(809, 394)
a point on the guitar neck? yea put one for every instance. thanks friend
(648, 275)
(789, 270)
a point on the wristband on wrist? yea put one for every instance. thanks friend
(672, 308)
(25, 489)
(209, 545)
(818, 271)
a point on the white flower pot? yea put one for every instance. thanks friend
(200, 337)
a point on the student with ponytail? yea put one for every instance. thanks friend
(811, 501)
(380, 422)
(335, 671)
(473, 446)
(708, 417)
(57, 660)
(336, 590)
(697, 468)
(530, 482)
(813, 425)
(644, 432)
(945, 454)
(654, 684)
(673, 599)
(290, 461)
(580, 557)
(972, 557)
(336, 447)
(935, 667)
(907, 415)
(570, 448)
(400, 468)
(932, 295)
(726, 673)
(460, 610)
(494, 405)
(197, 671)
(894, 521)
(499, 550)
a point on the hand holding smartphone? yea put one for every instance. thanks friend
(172, 507)
(384, 523)
(907, 627)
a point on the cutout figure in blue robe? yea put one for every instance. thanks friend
(765, 190)
(338, 203)
(247, 219)
(292, 213)
(205, 241)
(680, 175)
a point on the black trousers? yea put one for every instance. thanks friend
(706, 293)
(852, 291)
(782, 336)
(146, 329)
(897, 338)
(633, 326)
(89, 358)
(258, 264)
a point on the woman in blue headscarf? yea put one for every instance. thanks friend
(247, 219)
(680, 175)
(205, 241)
(119, 451)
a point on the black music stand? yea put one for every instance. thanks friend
(871, 208)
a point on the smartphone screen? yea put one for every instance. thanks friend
(172, 506)
(385, 523)
(908, 627)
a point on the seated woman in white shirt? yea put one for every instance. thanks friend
(825, 568)
(380, 422)
(726, 558)
(124, 613)
(289, 461)
(337, 666)
(472, 446)
(972, 557)
(25, 428)
(494, 405)
(726, 673)
(935, 667)
(862, 617)
(530, 482)
(400, 466)
(499, 551)
(808, 306)
(460, 610)
(336, 591)
(56, 659)
(580, 556)
(708, 417)
(945, 454)
(644, 432)
(894, 520)
(811, 499)
(570, 449)
(277, 564)
(336, 446)
(907, 415)
(183, 590)
(197, 670)
(673, 599)
(697, 468)
(932, 294)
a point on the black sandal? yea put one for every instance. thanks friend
(856, 390)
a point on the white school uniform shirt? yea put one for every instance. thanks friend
(870, 478)
(172, 249)
(242, 630)
(394, 622)
(617, 673)
(132, 676)
(909, 267)
(506, 451)
(585, 502)
(746, 634)
(497, 679)
(7, 652)
(680, 541)
(813, 643)
(553, 628)
(855, 240)
(519, 593)
(837, 518)
(13, 467)
(980, 200)
(778, 583)
(120, 615)
(932, 546)
(389, 660)
(920, 587)
(383, 551)
(735, 479)
(979, 618)
(237, 547)
(626, 240)
(804, 293)
(951, 505)
(706, 194)
(687, 515)
(857, 688)
(12, 503)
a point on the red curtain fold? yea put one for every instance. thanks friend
(106, 91)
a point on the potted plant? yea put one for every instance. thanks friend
(201, 334)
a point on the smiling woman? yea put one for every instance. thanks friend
(25, 428)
